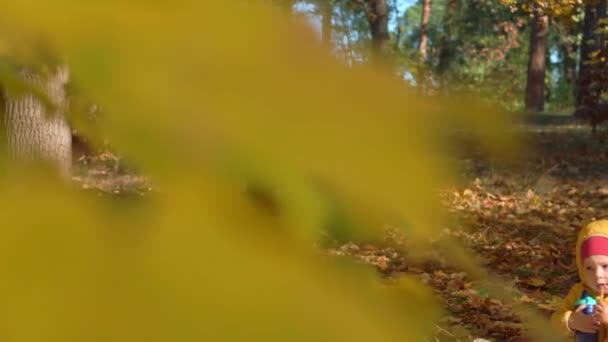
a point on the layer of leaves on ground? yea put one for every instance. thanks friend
(521, 219)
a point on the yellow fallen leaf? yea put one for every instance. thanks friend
(440, 274)
(536, 282)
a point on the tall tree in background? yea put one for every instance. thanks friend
(394, 5)
(446, 50)
(377, 17)
(535, 84)
(474, 43)
(567, 47)
(424, 22)
(593, 41)
(479, 45)
(326, 21)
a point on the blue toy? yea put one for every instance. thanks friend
(588, 300)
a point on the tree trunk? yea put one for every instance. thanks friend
(35, 131)
(535, 85)
(326, 15)
(568, 48)
(446, 49)
(590, 42)
(424, 22)
(398, 28)
(377, 18)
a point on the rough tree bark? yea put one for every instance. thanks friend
(446, 46)
(535, 85)
(568, 48)
(35, 131)
(377, 17)
(590, 42)
(424, 22)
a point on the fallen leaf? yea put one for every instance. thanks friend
(535, 282)
(440, 274)
(382, 262)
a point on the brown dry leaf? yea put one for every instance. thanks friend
(530, 194)
(382, 262)
(546, 306)
(464, 293)
(526, 299)
(536, 282)
(555, 302)
(460, 332)
(369, 247)
(455, 285)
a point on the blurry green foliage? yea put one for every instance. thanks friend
(222, 103)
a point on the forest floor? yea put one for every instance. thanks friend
(521, 218)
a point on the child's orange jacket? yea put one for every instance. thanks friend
(560, 317)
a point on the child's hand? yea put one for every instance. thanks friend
(601, 313)
(585, 323)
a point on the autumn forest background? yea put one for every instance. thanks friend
(319, 170)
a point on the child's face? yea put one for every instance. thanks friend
(596, 272)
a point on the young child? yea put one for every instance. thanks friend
(592, 263)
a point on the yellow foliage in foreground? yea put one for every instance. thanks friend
(207, 97)
(78, 270)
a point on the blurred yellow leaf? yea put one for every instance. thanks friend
(253, 132)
